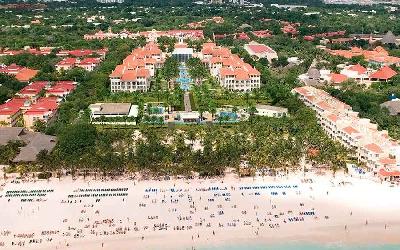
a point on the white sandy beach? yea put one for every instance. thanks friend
(181, 214)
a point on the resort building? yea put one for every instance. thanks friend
(258, 51)
(33, 90)
(66, 64)
(315, 77)
(22, 74)
(81, 53)
(231, 71)
(373, 147)
(393, 106)
(34, 142)
(358, 73)
(136, 70)
(377, 57)
(11, 111)
(271, 111)
(383, 74)
(89, 63)
(187, 117)
(201, 24)
(41, 51)
(43, 110)
(182, 53)
(28, 106)
(71, 62)
(151, 36)
(61, 89)
(262, 33)
(113, 113)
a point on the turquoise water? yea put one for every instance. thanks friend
(301, 247)
(184, 79)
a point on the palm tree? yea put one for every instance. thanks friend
(252, 111)
(213, 111)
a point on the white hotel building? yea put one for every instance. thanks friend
(231, 71)
(135, 73)
(374, 147)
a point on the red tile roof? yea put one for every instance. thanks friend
(386, 173)
(90, 61)
(69, 61)
(13, 106)
(387, 161)
(260, 48)
(33, 88)
(358, 68)
(61, 88)
(43, 105)
(26, 74)
(374, 148)
(333, 117)
(383, 73)
(338, 78)
(350, 130)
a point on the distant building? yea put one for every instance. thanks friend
(110, 1)
(383, 74)
(88, 64)
(22, 74)
(66, 64)
(378, 56)
(61, 89)
(261, 51)
(389, 38)
(315, 77)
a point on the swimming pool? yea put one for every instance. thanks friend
(184, 79)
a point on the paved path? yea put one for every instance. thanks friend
(186, 101)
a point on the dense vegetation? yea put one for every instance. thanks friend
(8, 87)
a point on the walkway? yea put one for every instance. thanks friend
(186, 101)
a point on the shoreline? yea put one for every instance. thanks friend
(215, 212)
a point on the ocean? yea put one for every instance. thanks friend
(302, 247)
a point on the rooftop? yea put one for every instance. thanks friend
(35, 142)
(113, 109)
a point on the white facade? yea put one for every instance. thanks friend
(373, 147)
(261, 51)
(271, 111)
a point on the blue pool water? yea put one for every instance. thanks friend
(184, 80)
(230, 115)
(301, 247)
